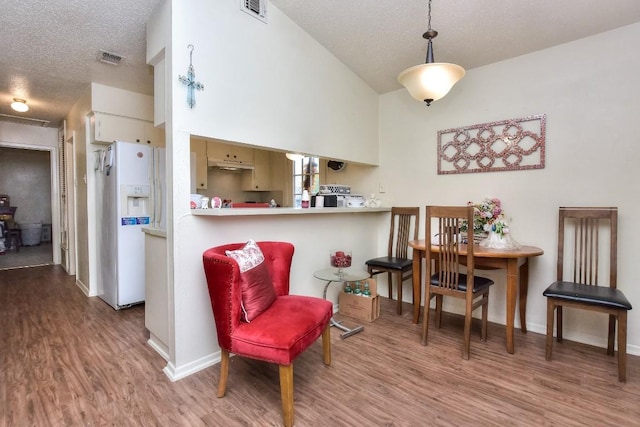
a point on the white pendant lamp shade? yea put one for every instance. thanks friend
(432, 81)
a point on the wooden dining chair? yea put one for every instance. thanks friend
(448, 280)
(397, 263)
(583, 248)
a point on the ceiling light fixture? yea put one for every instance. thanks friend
(294, 156)
(433, 80)
(19, 105)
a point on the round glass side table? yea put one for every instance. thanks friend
(331, 275)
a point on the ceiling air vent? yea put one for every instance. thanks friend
(109, 58)
(255, 8)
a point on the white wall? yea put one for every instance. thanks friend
(26, 136)
(269, 85)
(588, 90)
(77, 192)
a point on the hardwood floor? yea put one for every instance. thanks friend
(68, 360)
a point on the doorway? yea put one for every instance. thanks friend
(26, 179)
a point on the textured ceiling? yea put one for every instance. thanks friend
(48, 48)
(378, 39)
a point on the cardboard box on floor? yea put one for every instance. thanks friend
(359, 307)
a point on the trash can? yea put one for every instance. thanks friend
(31, 234)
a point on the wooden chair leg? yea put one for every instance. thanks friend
(550, 310)
(224, 373)
(286, 393)
(425, 317)
(398, 277)
(467, 330)
(485, 316)
(559, 323)
(413, 297)
(622, 346)
(612, 335)
(326, 345)
(439, 311)
(390, 283)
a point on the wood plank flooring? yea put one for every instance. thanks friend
(69, 360)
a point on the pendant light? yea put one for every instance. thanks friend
(433, 80)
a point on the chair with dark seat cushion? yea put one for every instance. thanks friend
(397, 263)
(256, 317)
(584, 248)
(447, 280)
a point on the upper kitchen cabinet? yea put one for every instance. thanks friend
(218, 151)
(199, 146)
(259, 178)
(106, 128)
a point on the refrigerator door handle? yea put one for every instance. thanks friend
(158, 196)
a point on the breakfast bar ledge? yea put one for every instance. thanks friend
(282, 211)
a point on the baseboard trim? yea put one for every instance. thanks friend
(83, 287)
(176, 373)
(158, 346)
(581, 338)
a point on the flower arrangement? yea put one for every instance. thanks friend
(488, 216)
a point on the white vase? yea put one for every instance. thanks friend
(496, 241)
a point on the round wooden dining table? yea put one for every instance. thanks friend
(514, 261)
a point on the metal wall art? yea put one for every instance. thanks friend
(507, 145)
(190, 80)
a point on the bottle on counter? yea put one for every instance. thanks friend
(347, 288)
(305, 199)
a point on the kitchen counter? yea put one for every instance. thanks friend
(283, 211)
(155, 232)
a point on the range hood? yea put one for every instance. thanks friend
(229, 166)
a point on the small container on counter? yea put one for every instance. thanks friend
(305, 199)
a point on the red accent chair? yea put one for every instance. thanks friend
(290, 325)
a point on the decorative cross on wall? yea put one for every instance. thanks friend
(190, 80)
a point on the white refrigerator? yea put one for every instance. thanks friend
(130, 195)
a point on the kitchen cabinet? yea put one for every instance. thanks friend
(153, 135)
(219, 151)
(199, 146)
(258, 179)
(106, 128)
